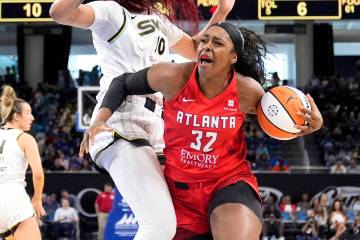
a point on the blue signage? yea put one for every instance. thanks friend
(122, 223)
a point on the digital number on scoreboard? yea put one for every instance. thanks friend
(299, 9)
(25, 10)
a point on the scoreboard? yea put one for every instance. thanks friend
(287, 9)
(307, 9)
(25, 10)
(38, 10)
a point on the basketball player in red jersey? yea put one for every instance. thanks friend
(214, 192)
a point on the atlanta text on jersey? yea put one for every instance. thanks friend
(206, 121)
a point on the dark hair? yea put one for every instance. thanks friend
(250, 61)
(251, 50)
(176, 9)
(9, 104)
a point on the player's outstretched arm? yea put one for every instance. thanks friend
(167, 78)
(72, 13)
(187, 46)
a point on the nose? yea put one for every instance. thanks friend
(206, 48)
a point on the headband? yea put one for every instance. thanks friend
(235, 35)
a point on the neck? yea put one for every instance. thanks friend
(214, 85)
(10, 125)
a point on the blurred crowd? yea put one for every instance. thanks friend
(318, 219)
(338, 98)
(54, 108)
(62, 216)
(264, 153)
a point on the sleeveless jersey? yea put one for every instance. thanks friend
(13, 163)
(204, 138)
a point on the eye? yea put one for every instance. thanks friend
(203, 40)
(219, 43)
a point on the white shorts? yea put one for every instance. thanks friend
(134, 120)
(15, 206)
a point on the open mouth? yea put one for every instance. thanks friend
(205, 60)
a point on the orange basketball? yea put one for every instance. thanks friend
(277, 110)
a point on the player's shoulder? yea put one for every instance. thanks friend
(181, 70)
(112, 5)
(26, 138)
(247, 83)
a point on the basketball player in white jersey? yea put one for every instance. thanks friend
(129, 36)
(18, 150)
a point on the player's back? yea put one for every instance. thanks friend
(129, 42)
(13, 163)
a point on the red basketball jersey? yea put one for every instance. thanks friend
(204, 138)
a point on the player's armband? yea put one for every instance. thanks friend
(126, 84)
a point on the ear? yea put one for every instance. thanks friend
(234, 58)
(16, 116)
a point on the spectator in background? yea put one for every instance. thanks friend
(338, 168)
(275, 79)
(356, 207)
(324, 202)
(65, 219)
(279, 165)
(309, 230)
(287, 208)
(304, 204)
(337, 220)
(70, 197)
(321, 218)
(10, 77)
(272, 224)
(50, 206)
(103, 205)
(262, 152)
(353, 167)
(354, 231)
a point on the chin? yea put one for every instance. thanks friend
(204, 70)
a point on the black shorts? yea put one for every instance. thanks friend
(239, 192)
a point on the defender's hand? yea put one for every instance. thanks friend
(89, 136)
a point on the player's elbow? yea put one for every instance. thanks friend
(59, 14)
(38, 175)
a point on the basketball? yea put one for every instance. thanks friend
(277, 110)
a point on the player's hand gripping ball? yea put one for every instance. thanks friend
(278, 112)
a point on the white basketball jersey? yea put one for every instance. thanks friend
(128, 42)
(13, 163)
